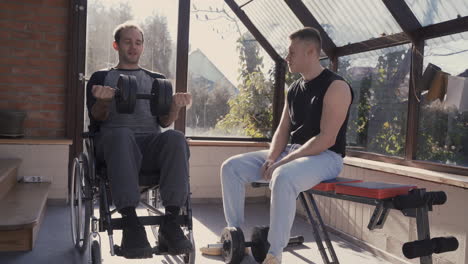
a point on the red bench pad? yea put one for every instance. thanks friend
(378, 190)
(329, 185)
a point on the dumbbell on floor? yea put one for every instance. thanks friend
(233, 244)
(126, 95)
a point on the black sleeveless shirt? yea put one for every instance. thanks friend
(305, 102)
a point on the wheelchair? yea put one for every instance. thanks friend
(90, 188)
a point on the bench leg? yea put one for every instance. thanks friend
(422, 223)
(319, 228)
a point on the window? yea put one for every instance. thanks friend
(443, 115)
(380, 81)
(229, 76)
(159, 26)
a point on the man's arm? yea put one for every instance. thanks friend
(281, 136)
(179, 100)
(101, 108)
(279, 141)
(335, 108)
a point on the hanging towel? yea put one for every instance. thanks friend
(428, 76)
(438, 87)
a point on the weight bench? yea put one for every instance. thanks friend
(410, 200)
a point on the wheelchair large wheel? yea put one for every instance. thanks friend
(190, 257)
(188, 230)
(80, 202)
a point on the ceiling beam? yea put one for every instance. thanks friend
(307, 19)
(454, 26)
(373, 44)
(253, 29)
(403, 15)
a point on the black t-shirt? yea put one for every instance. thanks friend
(305, 102)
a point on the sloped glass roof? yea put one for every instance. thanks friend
(275, 20)
(430, 12)
(350, 21)
(242, 2)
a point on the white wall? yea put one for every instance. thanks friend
(48, 161)
(205, 164)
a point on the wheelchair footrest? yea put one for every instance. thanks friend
(155, 250)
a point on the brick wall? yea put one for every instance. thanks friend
(33, 56)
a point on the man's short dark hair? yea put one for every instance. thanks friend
(126, 25)
(308, 33)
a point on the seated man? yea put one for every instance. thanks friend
(314, 119)
(133, 143)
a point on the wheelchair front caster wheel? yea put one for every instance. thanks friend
(96, 253)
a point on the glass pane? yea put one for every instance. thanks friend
(443, 124)
(229, 76)
(430, 12)
(350, 21)
(159, 26)
(325, 63)
(379, 79)
(242, 2)
(275, 20)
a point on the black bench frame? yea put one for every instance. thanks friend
(377, 221)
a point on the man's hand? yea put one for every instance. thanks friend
(103, 93)
(266, 165)
(180, 100)
(269, 171)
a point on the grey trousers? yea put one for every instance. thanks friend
(127, 154)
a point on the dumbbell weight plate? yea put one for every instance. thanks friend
(132, 93)
(233, 243)
(154, 97)
(161, 97)
(260, 245)
(168, 96)
(125, 98)
(121, 96)
(165, 97)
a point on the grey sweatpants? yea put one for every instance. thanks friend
(127, 154)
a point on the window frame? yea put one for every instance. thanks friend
(414, 34)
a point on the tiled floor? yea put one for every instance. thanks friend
(54, 243)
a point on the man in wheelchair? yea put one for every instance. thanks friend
(131, 144)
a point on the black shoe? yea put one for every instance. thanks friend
(172, 238)
(135, 244)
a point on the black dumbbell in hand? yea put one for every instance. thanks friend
(126, 95)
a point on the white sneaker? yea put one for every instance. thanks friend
(270, 259)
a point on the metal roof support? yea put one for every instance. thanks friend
(414, 96)
(373, 44)
(182, 57)
(404, 17)
(253, 29)
(278, 97)
(454, 26)
(308, 20)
